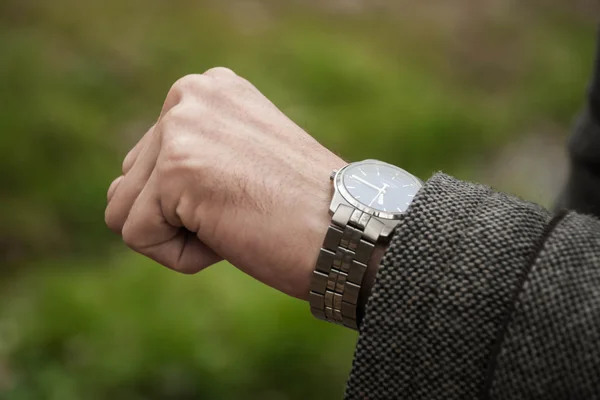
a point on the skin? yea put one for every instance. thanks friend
(224, 174)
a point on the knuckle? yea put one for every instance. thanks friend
(112, 220)
(176, 118)
(220, 72)
(129, 235)
(176, 122)
(175, 157)
(174, 161)
(127, 162)
(188, 83)
(193, 85)
(186, 269)
(173, 168)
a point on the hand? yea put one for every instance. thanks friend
(225, 175)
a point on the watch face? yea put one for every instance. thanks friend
(381, 187)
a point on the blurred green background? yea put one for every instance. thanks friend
(484, 90)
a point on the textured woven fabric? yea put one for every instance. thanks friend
(463, 295)
(552, 347)
(484, 296)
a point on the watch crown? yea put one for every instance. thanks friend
(332, 175)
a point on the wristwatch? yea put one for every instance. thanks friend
(369, 199)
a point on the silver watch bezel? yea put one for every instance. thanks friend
(341, 189)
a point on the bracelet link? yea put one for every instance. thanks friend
(341, 265)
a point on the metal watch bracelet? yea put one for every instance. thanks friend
(341, 266)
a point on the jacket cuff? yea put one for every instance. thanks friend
(444, 292)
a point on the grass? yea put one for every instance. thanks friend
(129, 327)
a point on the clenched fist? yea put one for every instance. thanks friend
(224, 174)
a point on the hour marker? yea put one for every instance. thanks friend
(363, 172)
(398, 208)
(394, 177)
(407, 203)
(350, 187)
(384, 209)
(410, 195)
(377, 170)
(357, 197)
(406, 185)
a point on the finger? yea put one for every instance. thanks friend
(112, 188)
(129, 188)
(134, 181)
(133, 154)
(148, 232)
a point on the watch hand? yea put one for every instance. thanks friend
(374, 198)
(379, 193)
(358, 178)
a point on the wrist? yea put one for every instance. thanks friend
(317, 220)
(352, 250)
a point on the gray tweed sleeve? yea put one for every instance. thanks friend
(482, 296)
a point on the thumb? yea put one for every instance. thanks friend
(148, 232)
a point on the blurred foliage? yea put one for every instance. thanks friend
(83, 335)
(427, 86)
